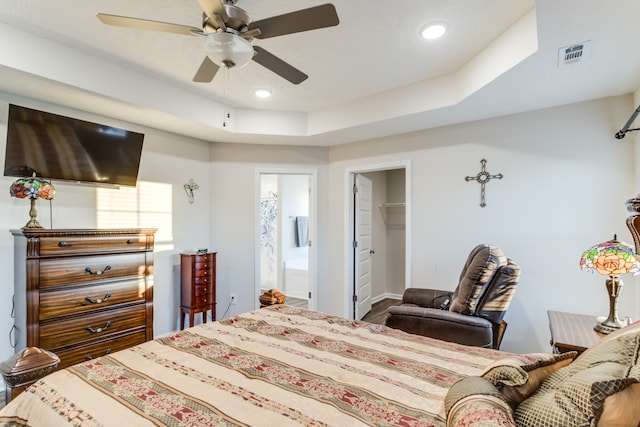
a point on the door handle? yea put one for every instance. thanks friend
(372, 251)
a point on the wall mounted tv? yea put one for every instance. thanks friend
(63, 148)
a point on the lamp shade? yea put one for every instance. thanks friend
(32, 188)
(611, 258)
(228, 50)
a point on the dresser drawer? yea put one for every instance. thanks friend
(202, 290)
(56, 272)
(71, 300)
(102, 348)
(90, 327)
(203, 258)
(202, 300)
(203, 266)
(74, 245)
(198, 281)
(203, 272)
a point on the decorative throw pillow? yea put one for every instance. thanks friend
(474, 401)
(618, 347)
(577, 394)
(622, 409)
(519, 376)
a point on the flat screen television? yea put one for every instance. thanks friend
(63, 148)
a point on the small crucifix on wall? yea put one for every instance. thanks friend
(483, 177)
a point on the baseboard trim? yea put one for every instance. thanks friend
(385, 296)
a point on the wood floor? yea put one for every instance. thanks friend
(378, 312)
(297, 302)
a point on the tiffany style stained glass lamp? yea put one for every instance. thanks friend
(32, 188)
(611, 258)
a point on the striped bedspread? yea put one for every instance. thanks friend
(277, 366)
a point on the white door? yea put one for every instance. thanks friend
(362, 245)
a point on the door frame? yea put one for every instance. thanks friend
(349, 266)
(313, 230)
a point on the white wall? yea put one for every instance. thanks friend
(396, 233)
(294, 191)
(233, 182)
(166, 158)
(565, 183)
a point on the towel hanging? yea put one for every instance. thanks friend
(302, 231)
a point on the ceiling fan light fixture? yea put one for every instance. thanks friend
(433, 30)
(228, 50)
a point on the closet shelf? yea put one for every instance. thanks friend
(393, 214)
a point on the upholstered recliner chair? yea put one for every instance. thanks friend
(471, 315)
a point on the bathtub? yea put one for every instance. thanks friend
(296, 278)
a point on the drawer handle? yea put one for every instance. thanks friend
(64, 244)
(130, 242)
(90, 357)
(96, 331)
(88, 270)
(99, 300)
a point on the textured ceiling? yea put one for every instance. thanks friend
(372, 75)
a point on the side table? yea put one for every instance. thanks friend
(25, 368)
(572, 332)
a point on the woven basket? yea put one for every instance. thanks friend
(271, 297)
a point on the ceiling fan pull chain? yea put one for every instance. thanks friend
(227, 115)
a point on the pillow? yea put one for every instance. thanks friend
(519, 376)
(578, 393)
(474, 401)
(622, 409)
(617, 346)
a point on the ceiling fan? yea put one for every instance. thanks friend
(229, 31)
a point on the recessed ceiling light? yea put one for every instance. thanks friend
(433, 30)
(263, 93)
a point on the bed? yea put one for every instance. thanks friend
(286, 366)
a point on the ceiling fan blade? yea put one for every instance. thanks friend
(211, 8)
(295, 22)
(278, 66)
(145, 24)
(206, 72)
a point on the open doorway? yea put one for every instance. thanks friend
(379, 232)
(285, 236)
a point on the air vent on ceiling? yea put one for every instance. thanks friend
(574, 54)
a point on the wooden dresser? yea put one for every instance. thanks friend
(83, 293)
(197, 285)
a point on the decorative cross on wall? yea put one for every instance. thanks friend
(483, 177)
